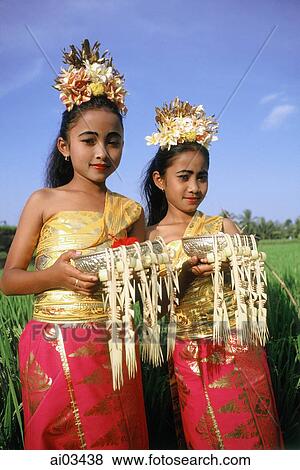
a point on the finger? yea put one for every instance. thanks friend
(79, 284)
(197, 271)
(193, 260)
(75, 273)
(88, 285)
(91, 278)
(87, 290)
(204, 267)
(203, 274)
(94, 290)
(69, 254)
(190, 262)
(201, 269)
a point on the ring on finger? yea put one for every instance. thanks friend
(76, 282)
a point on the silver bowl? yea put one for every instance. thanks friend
(201, 245)
(93, 262)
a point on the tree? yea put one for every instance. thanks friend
(247, 222)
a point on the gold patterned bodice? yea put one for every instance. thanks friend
(195, 311)
(87, 231)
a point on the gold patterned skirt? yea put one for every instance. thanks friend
(225, 396)
(68, 398)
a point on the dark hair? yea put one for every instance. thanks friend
(155, 199)
(58, 170)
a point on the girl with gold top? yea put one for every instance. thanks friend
(68, 397)
(224, 391)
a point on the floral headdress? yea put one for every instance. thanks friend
(181, 122)
(89, 74)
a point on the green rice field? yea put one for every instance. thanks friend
(284, 257)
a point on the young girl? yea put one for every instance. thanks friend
(68, 397)
(225, 392)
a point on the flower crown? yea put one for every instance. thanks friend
(181, 122)
(89, 74)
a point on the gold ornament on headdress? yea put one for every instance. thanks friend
(89, 74)
(181, 122)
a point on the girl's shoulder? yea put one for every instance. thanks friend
(225, 224)
(229, 226)
(43, 200)
(129, 208)
(40, 197)
(124, 199)
(35, 207)
(152, 232)
(163, 231)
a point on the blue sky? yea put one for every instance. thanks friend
(195, 49)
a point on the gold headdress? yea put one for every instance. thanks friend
(89, 74)
(181, 122)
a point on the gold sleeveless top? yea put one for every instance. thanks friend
(87, 231)
(195, 311)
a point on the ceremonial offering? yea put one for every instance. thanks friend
(248, 281)
(96, 262)
(123, 272)
(203, 245)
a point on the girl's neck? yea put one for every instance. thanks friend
(175, 216)
(86, 186)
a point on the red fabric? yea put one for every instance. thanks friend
(225, 396)
(124, 241)
(107, 419)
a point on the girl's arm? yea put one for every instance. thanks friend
(137, 230)
(17, 280)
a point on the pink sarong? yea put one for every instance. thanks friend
(68, 399)
(225, 396)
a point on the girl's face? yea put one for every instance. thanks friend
(95, 144)
(185, 181)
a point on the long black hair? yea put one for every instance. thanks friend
(155, 199)
(58, 170)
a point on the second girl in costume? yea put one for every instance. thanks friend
(225, 392)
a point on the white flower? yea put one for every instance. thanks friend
(180, 122)
(99, 72)
(153, 139)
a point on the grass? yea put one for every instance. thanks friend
(283, 354)
(14, 314)
(283, 350)
(284, 257)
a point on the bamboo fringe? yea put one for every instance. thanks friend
(122, 278)
(248, 281)
(142, 272)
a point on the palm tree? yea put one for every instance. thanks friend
(228, 215)
(247, 222)
(297, 228)
(262, 228)
(288, 228)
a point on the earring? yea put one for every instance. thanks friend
(67, 158)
